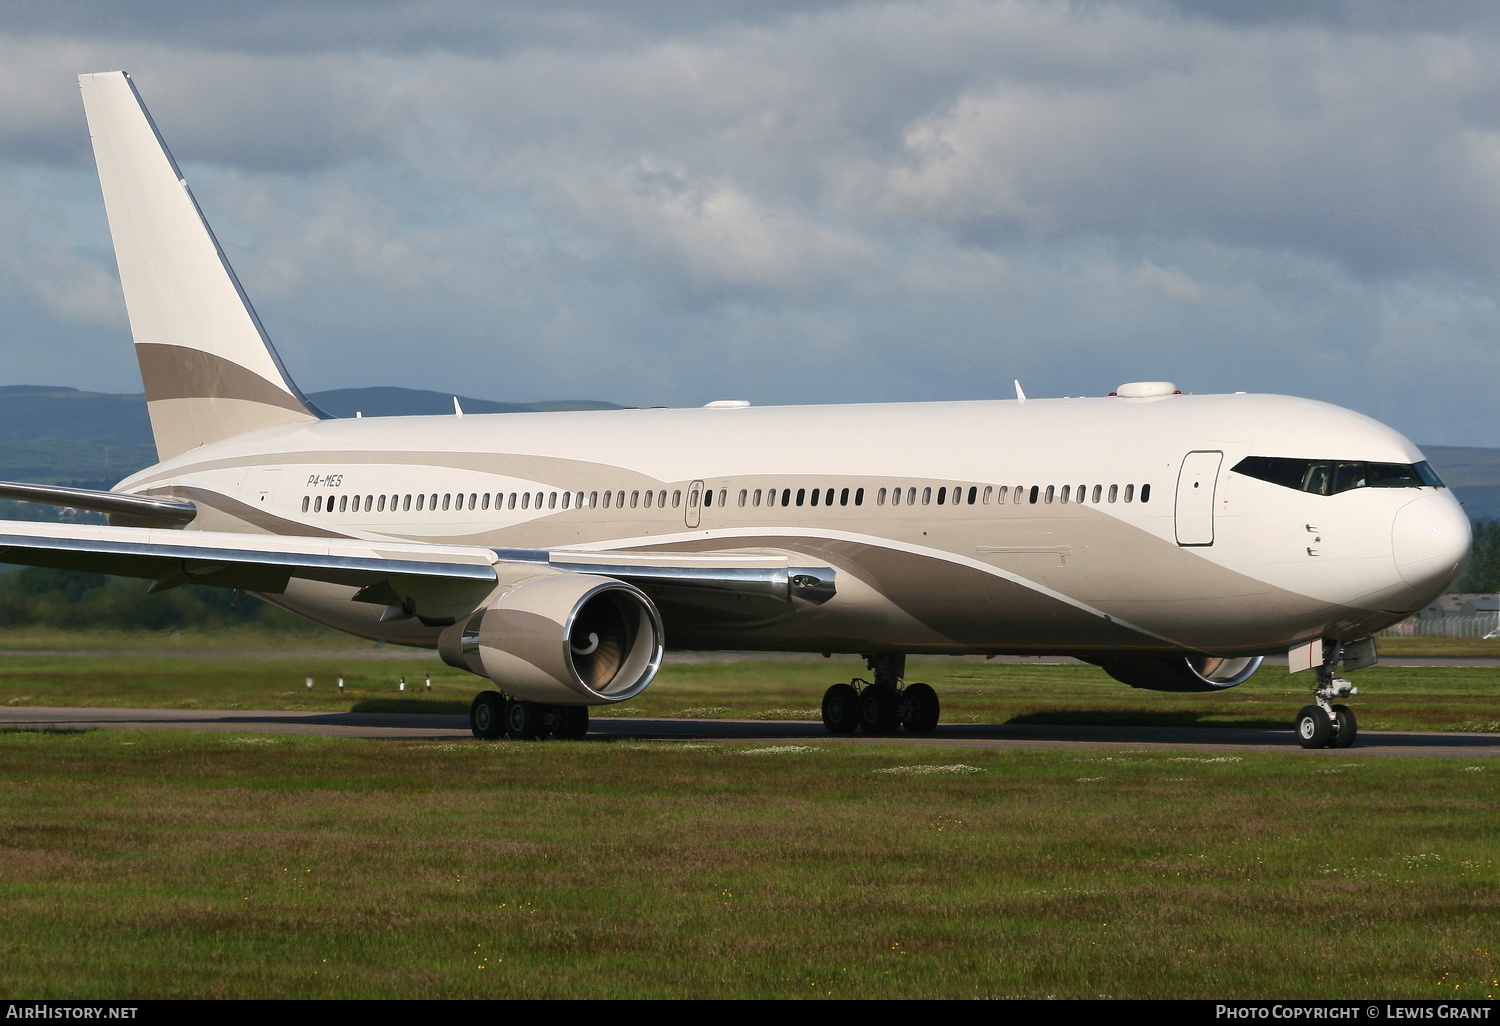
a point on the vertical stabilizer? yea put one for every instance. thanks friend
(209, 370)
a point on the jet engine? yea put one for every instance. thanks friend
(1198, 672)
(561, 638)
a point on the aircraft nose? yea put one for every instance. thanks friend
(1430, 541)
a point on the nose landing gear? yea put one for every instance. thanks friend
(1325, 725)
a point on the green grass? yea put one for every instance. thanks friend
(250, 670)
(195, 865)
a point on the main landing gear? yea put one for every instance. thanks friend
(882, 706)
(492, 714)
(1325, 725)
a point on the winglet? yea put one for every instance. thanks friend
(209, 371)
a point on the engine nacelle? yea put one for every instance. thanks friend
(561, 638)
(1179, 673)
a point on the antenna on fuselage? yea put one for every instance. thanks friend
(458, 411)
(1020, 395)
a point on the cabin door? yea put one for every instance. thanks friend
(1196, 483)
(694, 503)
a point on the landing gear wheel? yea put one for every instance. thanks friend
(879, 709)
(525, 721)
(919, 709)
(1313, 727)
(572, 722)
(487, 715)
(1344, 727)
(841, 709)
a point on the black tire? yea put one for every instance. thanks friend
(525, 721)
(487, 715)
(919, 709)
(1345, 729)
(572, 721)
(841, 709)
(1313, 727)
(879, 709)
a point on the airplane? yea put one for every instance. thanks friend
(1172, 539)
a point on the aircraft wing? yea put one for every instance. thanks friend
(252, 562)
(404, 573)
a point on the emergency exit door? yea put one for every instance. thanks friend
(1196, 484)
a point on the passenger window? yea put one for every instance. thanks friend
(859, 496)
(676, 498)
(927, 496)
(1064, 496)
(989, 493)
(815, 494)
(755, 500)
(1129, 492)
(974, 492)
(880, 497)
(1035, 491)
(1145, 493)
(942, 492)
(306, 501)
(723, 496)
(896, 497)
(844, 497)
(1098, 491)
(635, 499)
(744, 497)
(380, 506)
(1049, 493)
(801, 494)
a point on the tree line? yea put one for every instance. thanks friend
(68, 599)
(1484, 564)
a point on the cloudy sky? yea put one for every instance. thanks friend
(665, 203)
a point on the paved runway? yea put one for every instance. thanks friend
(411, 726)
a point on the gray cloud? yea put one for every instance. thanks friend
(668, 203)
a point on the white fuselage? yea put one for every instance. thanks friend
(1165, 551)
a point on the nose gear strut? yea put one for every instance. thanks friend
(1326, 725)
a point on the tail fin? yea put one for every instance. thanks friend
(210, 371)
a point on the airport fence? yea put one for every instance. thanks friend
(1475, 625)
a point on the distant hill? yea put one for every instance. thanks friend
(1473, 474)
(60, 435)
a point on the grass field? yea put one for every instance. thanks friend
(254, 671)
(195, 865)
(139, 864)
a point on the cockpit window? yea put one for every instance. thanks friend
(1330, 477)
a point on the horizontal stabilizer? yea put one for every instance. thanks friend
(115, 504)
